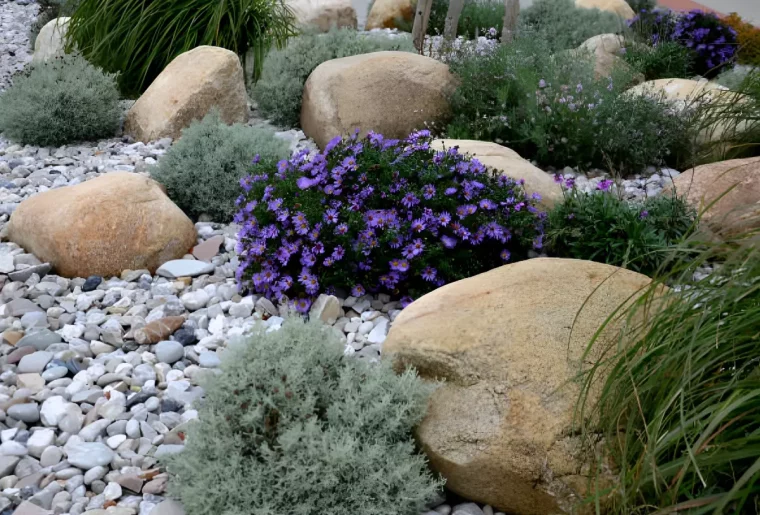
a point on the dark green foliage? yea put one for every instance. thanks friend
(294, 427)
(562, 25)
(202, 170)
(666, 60)
(50, 10)
(138, 38)
(638, 5)
(679, 406)
(278, 93)
(478, 16)
(554, 110)
(601, 227)
(62, 100)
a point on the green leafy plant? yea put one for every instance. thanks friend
(138, 38)
(553, 109)
(202, 170)
(279, 90)
(50, 10)
(639, 5)
(563, 26)
(601, 227)
(666, 60)
(62, 100)
(293, 426)
(678, 403)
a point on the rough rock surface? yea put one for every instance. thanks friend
(115, 222)
(187, 89)
(619, 7)
(323, 15)
(384, 13)
(509, 162)
(738, 210)
(392, 93)
(498, 429)
(49, 42)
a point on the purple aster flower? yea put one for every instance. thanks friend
(410, 200)
(308, 259)
(428, 191)
(329, 261)
(542, 83)
(570, 183)
(358, 290)
(282, 255)
(643, 214)
(341, 229)
(418, 225)
(487, 204)
(285, 282)
(399, 265)
(331, 216)
(258, 248)
(318, 248)
(405, 301)
(305, 182)
(338, 253)
(429, 274)
(396, 242)
(275, 204)
(302, 305)
(444, 219)
(332, 144)
(505, 255)
(579, 88)
(605, 185)
(449, 242)
(450, 191)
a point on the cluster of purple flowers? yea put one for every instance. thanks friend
(712, 41)
(378, 215)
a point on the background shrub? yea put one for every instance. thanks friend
(62, 100)
(292, 426)
(50, 10)
(379, 215)
(639, 5)
(666, 60)
(748, 38)
(138, 38)
(478, 16)
(202, 170)
(278, 93)
(711, 41)
(679, 406)
(554, 110)
(602, 227)
(562, 25)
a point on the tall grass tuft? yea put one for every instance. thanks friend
(138, 38)
(680, 408)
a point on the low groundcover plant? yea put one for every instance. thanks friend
(293, 427)
(378, 215)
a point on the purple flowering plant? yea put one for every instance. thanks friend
(712, 42)
(373, 215)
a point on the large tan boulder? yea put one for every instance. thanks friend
(323, 15)
(509, 163)
(686, 93)
(189, 87)
(738, 211)
(385, 13)
(114, 222)
(610, 43)
(392, 93)
(508, 344)
(619, 7)
(50, 40)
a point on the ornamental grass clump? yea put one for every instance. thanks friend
(379, 215)
(59, 101)
(679, 407)
(138, 38)
(292, 426)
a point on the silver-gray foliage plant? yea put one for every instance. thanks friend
(279, 90)
(202, 170)
(63, 100)
(292, 426)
